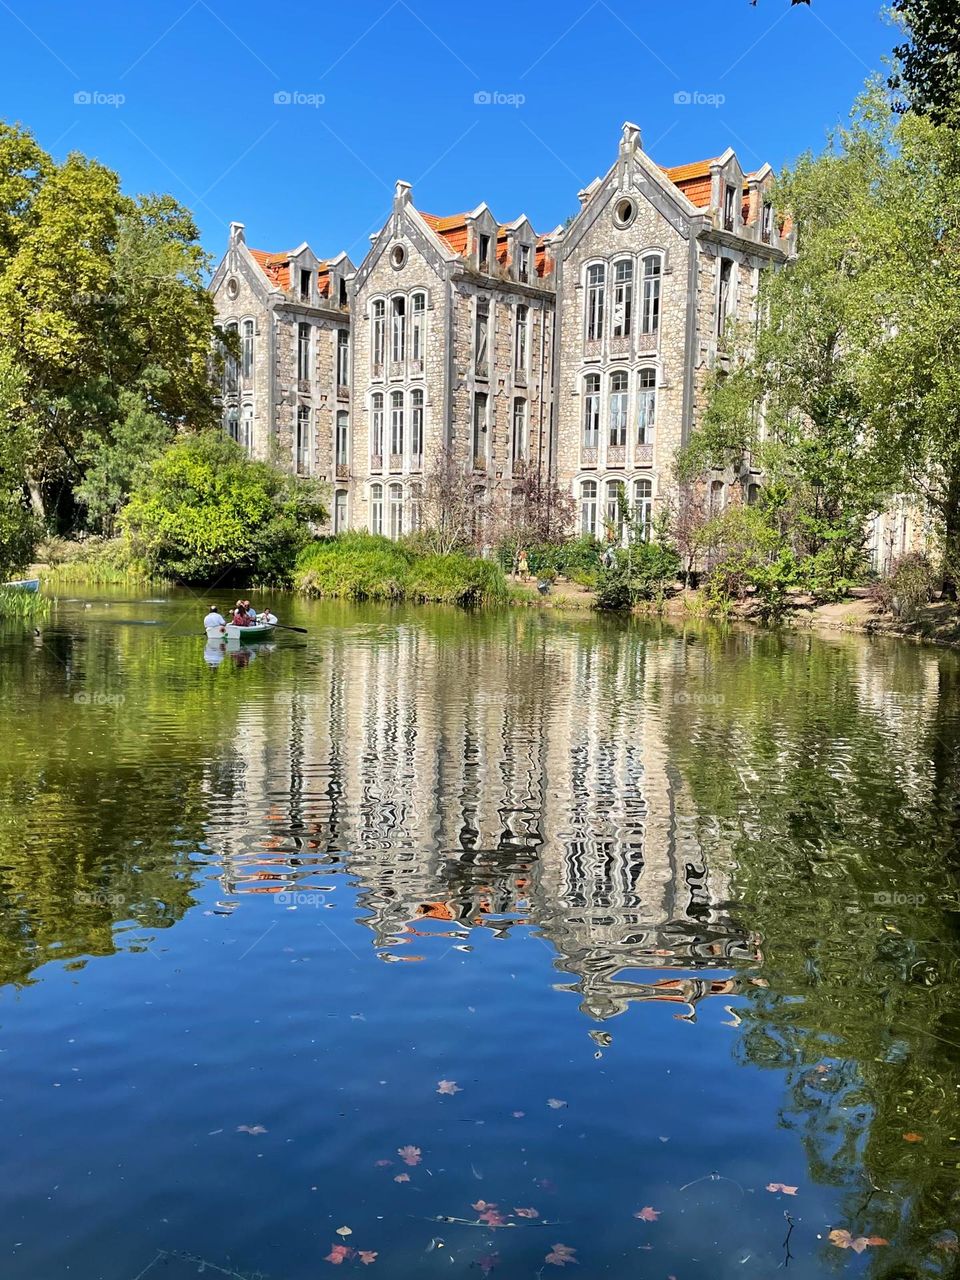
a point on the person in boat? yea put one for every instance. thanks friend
(268, 616)
(214, 618)
(251, 611)
(240, 616)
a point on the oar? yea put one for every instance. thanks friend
(279, 626)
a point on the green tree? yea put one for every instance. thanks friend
(113, 463)
(205, 511)
(19, 527)
(929, 59)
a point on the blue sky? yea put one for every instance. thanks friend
(386, 89)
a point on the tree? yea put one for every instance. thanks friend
(455, 509)
(113, 464)
(19, 527)
(205, 511)
(928, 71)
(534, 513)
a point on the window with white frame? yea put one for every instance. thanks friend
(482, 338)
(246, 427)
(522, 338)
(519, 442)
(303, 440)
(591, 411)
(619, 398)
(398, 329)
(613, 509)
(378, 335)
(643, 508)
(233, 424)
(588, 508)
(416, 425)
(340, 511)
(342, 438)
(717, 497)
(418, 311)
(395, 496)
(480, 427)
(622, 298)
(652, 271)
(343, 357)
(303, 351)
(396, 422)
(646, 405)
(729, 207)
(766, 222)
(596, 292)
(246, 351)
(231, 371)
(725, 295)
(376, 508)
(376, 424)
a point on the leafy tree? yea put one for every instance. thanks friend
(112, 464)
(929, 59)
(19, 527)
(206, 511)
(537, 512)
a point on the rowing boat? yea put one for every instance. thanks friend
(257, 631)
(23, 584)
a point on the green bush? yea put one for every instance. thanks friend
(354, 566)
(910, 584)
(207, 511)
(641, 572)
(22, 606)
(457, 579)
(95, 562)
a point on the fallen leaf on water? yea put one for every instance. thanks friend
(409, 1155)
(492, 1218)
(913, 1137)
(338, 1254)
(526, 1213)
(344, 1231)
(481, 1206)
(488, 1262)
(560, 1255)
(402, 1177)
(367, 1256)
(251, 1128)
(448, 1086)
(648, 1214)
(844, 1240)
(382, 1164)
(556, 1103)
(779, 1186)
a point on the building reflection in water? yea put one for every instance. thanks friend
(490, 781)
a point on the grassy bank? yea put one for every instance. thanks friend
(360, 566)
(22, 606)
(94, 562)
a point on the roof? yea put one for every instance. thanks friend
(693, 180)
(453, 230)
(275, 266)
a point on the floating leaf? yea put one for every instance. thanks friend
(844, 1240)
(556, 1103)
(526, 1213)
(402, 1177)
(344, 1231)
(409, 1155)
(560, 1255)
(492, 1218)
(782, 1188)
(648, 1214)
(367, 1256)
(913, 1137)
(251, 1128)
(448, 1086)
(481, 1206)
(338, 1254)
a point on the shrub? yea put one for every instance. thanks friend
(206, 510)
(22, 606)
(457, 579)
(95, 562)
(910, 584)
(641, 572)
(354, 566)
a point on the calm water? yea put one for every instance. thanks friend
(423, 913)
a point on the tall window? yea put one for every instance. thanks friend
(303, 352)
(523, 324)
(343, 358)
(398, 338)
(303, 439)
(246, 427)
(340, 511)
(396, 422)
(233, 424)
(396, 511)
(376, 508)
(650, 320)
(643, 507)
(376, 425)
(305, 278)
(766, 222)
(588, 508)
(342, 437)
(523, 263)
(591, 411)
(418, 314)
(246, 350)
(619, 396)
(519, 443)
(230, 370)
(725, 295)
(416, 426)
(729, 208)
(596, 277)
(646, 405)
(482, 337)
(416, 507)
(484, 254)
(622, 298)
(717, 497)
(480, 427)
(377, 339)
(613, 511)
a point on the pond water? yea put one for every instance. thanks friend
(498, 944)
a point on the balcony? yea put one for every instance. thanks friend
(616, 455)
(377, 371)
(588, 455)
(396, 462)
(303, 386)
(376, 462)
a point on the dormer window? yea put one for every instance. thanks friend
(342, 292)
(484, 253)
(305, 282)
(729, 208)
(523, 263)
(766, 223)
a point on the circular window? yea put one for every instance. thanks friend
(233, 287)
(398, 256)
(624, 212)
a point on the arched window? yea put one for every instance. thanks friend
(416, 507)
(416, 427)
(613, 509)
(376, 424)
(246, 351)
(622, 298)
(520, 353)
(396, 511)
(376, 508)
(396, 423)
(230, 369)
(619, 396)
(646, 405)
(591, 411)
(378, 336)
(303, 439)
(596, 292)
(650, 319)
(246, 427)
(233, 423)
(643, 507)
(753, 495)
(340, 511)
(717, 497)
(588, 508)
(398, 330)
(342, 438)
(418, 309)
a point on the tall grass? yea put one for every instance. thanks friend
(94, 562)
(22, 606)
(361, 566)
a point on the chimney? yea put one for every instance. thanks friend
(402, 195)
(237, 233)
(631, 139)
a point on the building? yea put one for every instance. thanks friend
(462, 343)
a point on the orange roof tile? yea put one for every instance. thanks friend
(276, 266)
(453, 229)
(693, 180)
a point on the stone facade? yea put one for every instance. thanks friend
(579, 357)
